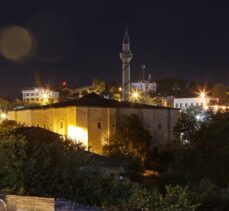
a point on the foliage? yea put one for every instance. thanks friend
(131, 138)
(8, 125)
(220, 91)
(207, 152)
(171, 86)
(175, 199)
(41, 163)
(189, 122)
(4, 103)
(99, 85)
(202, 162)
(130, 143)
(12, 159)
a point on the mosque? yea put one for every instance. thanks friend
(92, 119)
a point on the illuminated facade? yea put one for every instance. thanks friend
(203, 102)
(40, 95)
(145, 87)
(92, 119)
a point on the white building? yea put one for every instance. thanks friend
(203, 102)
(145, 86)
(40, 95)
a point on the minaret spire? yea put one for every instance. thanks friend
(126, 39)
(126, 56)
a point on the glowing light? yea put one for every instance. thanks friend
(216, 107)
(45, 96)
(78, 134)
(224, 107)
(3, 116)
(206, 107)
(64, 83)
(120, 89)
(202, 94)
(135, 95)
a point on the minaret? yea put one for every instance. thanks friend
(126, 56)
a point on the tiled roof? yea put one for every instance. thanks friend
(95, 100)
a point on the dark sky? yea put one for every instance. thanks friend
(77, 40)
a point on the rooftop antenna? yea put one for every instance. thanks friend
(143, 67)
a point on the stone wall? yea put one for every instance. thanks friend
(98, 123)
(158, 121)
(101, 123)
(28, 203)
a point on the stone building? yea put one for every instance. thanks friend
(92, 119)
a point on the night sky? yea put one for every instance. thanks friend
(77, 41)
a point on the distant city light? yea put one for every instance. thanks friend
(64, 83)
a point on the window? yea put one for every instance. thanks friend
(201, 104)
(186, 105)
(159, 126)
(61, 124)
(32, 94)
(99, 125)
(176, 105)
(197, 104)
(27, 94)
(180, 105)
(191, 104)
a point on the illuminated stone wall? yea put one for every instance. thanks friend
(29, 203)
(92, 125)
(159, 122)
(102, 123)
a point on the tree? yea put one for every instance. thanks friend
(220, 91)
(130, 139)
(99, 85)
(41, 163)
(131, 143)
(4, 104)
(8, 125)
(12, 159)
(205, 154)
(171, 86)
(175, 198)
(189, 122)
